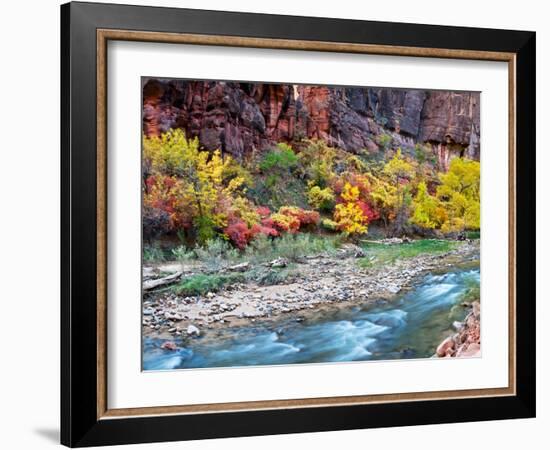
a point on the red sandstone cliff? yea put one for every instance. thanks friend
(241, 118)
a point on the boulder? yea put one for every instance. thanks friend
(192, 330)
(447, 344)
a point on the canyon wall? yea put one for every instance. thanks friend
(242, 118)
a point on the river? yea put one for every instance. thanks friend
(410, 326)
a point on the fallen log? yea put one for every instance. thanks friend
(152, 284)
(242, 267)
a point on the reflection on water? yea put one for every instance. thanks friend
(409, 327)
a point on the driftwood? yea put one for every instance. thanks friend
(242, 267)
(277, 263)
(152, 284)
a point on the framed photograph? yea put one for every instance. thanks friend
(277, 224)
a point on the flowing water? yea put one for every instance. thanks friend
(410, 326)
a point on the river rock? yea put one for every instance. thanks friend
(173, 316)
(393, 288)
(192, 330)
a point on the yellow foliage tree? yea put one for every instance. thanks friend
(427, 210)
(384, 197)
(459, 194)
(398, 169)
(348, 216)
(392, 192)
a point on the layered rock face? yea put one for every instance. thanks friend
(243, 118)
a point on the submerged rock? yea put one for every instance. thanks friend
(169, 345)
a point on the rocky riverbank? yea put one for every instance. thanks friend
(319, 281)
(466, 342)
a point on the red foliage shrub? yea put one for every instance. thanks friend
(239, 233)
(304, 216)
(263, 211)
(368, 211)
(261, 229)
(284, 223)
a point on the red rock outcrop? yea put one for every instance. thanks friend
(466, 342)
(242, 118)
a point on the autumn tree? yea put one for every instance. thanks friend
(427, 210)
(348, 215)
(391, 194)
(384, 197)
(204, 190)
(459, 194)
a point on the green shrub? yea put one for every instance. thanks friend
(472, 234)
(205, 229)
(297, 246)
(384, 140)
(182, 253)
(269, 277)
(275, 190)
(153, 253)
(216, 254)
(290, 246)
(282, 157)
(259, 249)
(201, 284)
